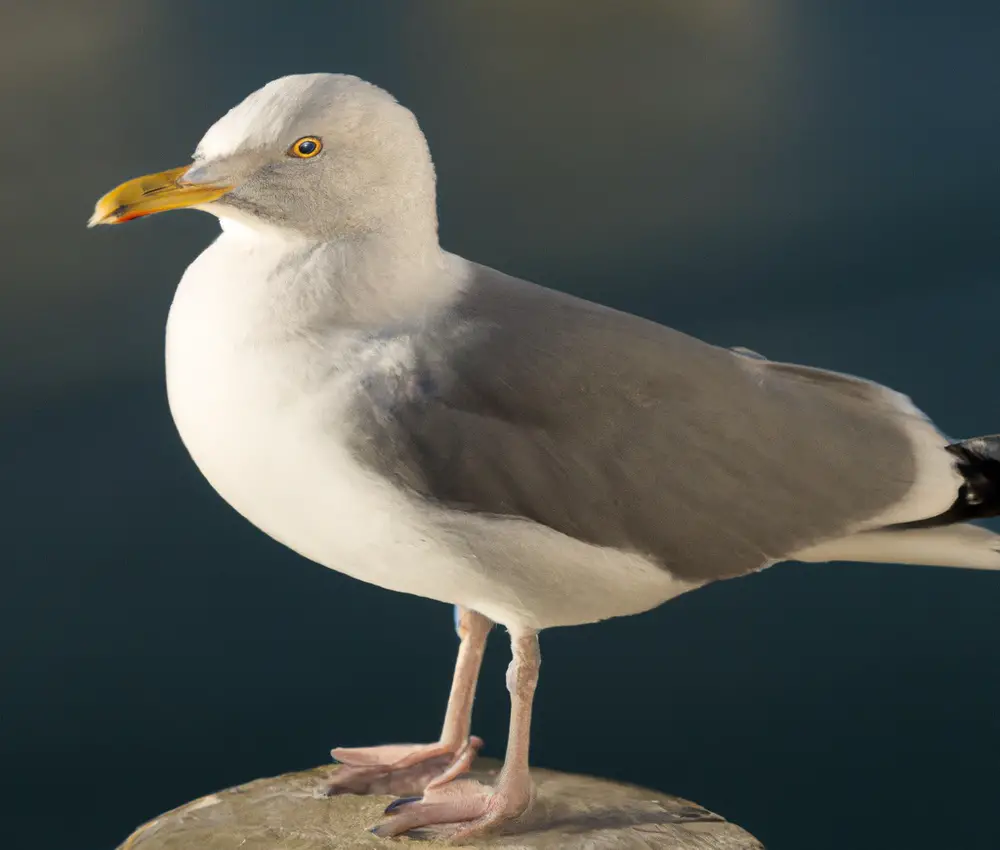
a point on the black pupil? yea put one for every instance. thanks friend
(307, 147)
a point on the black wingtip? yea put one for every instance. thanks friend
(978, 461)
(981, 448)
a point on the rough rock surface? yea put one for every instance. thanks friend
(291, 812)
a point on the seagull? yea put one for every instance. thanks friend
(432, 426)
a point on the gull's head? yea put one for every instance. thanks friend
(321, 155)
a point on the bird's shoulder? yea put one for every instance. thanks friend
(504, 335)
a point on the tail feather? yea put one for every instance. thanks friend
(939, 540)
(969, 546)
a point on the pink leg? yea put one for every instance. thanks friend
(404, 769)
(466, 808)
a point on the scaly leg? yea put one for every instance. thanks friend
(467, 808)
(404, 769)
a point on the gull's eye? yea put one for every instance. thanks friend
(306, 147)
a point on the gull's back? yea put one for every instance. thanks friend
(534, 406)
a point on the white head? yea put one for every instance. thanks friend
(327, 156)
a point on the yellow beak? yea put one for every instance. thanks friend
(153, 193)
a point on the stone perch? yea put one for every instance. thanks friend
(291, 812)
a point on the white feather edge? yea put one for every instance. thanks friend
(937, 479)
(933, 492)
(968, 546)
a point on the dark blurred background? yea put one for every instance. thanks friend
(818, 182)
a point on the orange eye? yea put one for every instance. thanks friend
(306, 147)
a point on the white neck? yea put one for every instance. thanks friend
(269, 282)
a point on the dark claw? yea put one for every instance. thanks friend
(402, 801)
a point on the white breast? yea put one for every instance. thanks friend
(260, 402)
(261, 413)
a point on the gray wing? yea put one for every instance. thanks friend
(624, 433)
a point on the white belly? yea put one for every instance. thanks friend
(264, 419)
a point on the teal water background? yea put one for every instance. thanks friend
(817, 182)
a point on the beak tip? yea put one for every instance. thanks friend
(102, 214)
(108, 214)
